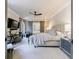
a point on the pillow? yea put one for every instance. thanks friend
(52, 32)
(58, 33)
(69, 35)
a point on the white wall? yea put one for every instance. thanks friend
(49, 24)
(12, 14)
(64, 16)
(28, 26)
(22, 26)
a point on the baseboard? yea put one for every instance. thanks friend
(47, 46)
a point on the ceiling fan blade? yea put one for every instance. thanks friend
(40, 14)
(31, 13)
(35, 13)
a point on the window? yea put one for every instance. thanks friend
(36, 27)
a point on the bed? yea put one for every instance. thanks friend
(44, 39)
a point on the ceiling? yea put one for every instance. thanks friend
(48, 8)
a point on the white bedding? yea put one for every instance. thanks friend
(42, 38)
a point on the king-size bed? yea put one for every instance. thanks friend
(44, 39)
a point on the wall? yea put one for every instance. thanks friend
(57, 21)
(13, 15)
(43, 25)
(62, 18)
(46, 26)
(22, 26)
(28, 26)
(49, 24)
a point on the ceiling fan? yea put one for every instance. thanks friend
(35, 13)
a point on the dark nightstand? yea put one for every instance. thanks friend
(66, 46)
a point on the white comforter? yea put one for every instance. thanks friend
(40, 38)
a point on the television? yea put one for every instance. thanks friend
(13, 24)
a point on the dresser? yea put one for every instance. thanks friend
(67, 47)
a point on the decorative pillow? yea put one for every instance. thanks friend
(69, 35)
(58, 33)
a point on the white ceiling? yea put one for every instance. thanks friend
(48, 8)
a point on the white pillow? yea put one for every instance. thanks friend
(59, 34)
(68, 35)
(52, 32)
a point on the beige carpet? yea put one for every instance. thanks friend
(25, 51)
